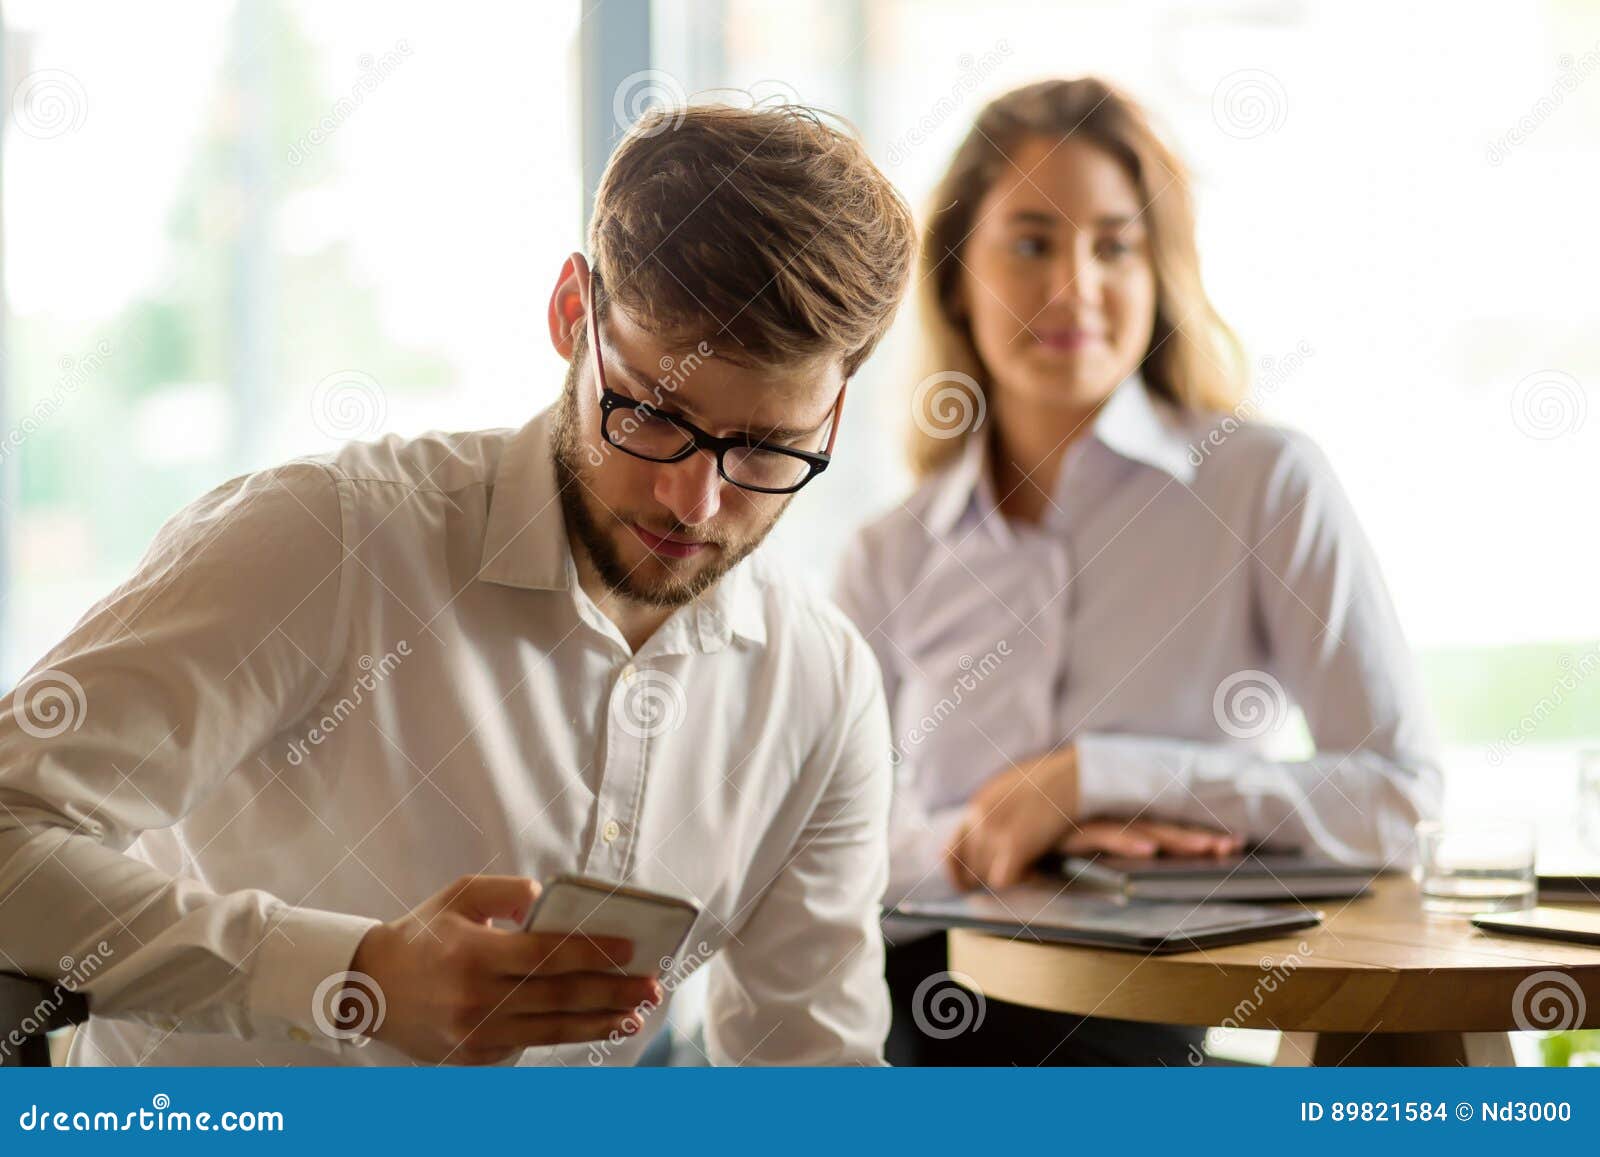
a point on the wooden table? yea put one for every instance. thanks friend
(1380, 982)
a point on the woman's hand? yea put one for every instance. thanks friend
(1015, 818)
(1147, 838)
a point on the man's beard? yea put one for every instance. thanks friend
(593, 526)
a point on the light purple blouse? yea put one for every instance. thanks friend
(1192, 579)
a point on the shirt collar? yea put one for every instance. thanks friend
(525, 543)
(1132, 423)
(1140, 426)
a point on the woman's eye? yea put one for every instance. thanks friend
(1029, 246)
(1115, 247)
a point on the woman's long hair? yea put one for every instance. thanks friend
(1194, 359)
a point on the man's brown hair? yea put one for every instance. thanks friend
(767, 232)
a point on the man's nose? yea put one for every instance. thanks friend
(691, 489)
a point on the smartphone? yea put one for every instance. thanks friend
(656, 922)
(1547, 923)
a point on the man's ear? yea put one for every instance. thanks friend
(567, 304)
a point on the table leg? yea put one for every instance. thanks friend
(1395, 1048)
(1296, 1050)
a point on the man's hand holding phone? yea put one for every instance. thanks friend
(457, 990)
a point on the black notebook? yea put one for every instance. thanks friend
(1265, 876)
(1048, 912)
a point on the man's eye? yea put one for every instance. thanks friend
(646, 413)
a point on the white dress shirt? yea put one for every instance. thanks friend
(1186, 585)
(337, 685)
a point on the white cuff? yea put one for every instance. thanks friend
(1125, 775)
(302, 949)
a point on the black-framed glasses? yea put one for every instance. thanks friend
(644, 431)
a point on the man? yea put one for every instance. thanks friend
(353, 708)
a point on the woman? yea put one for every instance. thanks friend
(1105, 594)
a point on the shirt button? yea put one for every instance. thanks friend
(611, 831)
(299, 1034)
(629, 672)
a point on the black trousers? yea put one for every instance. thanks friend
(937, 1023)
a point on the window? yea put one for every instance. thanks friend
(1406, 249)
(238, 233)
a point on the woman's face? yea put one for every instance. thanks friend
(1057, 279)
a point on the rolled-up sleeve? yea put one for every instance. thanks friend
(802, 981)
(224, 636)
